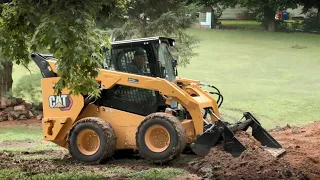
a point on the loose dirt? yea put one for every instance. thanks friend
(9, 144)
(62, 162)
(15, 123)
(302, 146)
(301, 160)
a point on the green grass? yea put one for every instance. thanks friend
(37, 156)
(118, 170)
(25, 135)
(157, 173)
(260, 72)
(34, 148)
(242, 24)
(13, 173)
(69, 176)
(16, 173)
(151, 174)
(20, 133)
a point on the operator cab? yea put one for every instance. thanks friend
(145, 57)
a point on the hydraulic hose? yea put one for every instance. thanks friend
(220, 97)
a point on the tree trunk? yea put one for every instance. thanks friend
(5, 77)
(318, 17)
(269, 21)
(271, 25)
(212, 18)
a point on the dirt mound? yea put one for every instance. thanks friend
(254, 163)
(303, 147)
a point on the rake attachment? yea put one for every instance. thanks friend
(220, 130)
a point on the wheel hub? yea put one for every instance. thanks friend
(157, 138)
(88, 142)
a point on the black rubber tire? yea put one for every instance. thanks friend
(177, 138)
(107, 137)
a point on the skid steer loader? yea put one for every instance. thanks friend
(143, 106)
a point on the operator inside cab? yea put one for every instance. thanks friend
(137, 65)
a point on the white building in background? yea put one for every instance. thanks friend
(233, 13)
(237, 13)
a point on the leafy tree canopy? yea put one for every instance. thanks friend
(310, 4)
(73, 31)
(64, 28)
(170, 18)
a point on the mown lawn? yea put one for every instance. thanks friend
(274, 75)
(241, 24)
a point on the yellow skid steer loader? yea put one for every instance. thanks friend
(143, 106)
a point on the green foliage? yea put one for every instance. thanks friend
(283, 26)
(161, 18)
(29, 87)
(66, 29)
(157, 173)
(312, 22)
(308, 4)
(261, 5)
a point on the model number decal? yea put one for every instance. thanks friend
(134, 81)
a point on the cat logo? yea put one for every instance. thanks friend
(63, 102)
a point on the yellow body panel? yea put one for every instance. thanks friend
(124, 124)
(58, 117)
(168, 89)
(57, 121)
(189, 127)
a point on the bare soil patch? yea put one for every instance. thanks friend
(301, 160)
(302, 146)
(15, 123)
(14, 144)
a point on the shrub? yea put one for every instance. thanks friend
(29, 88)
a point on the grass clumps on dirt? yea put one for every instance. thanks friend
(118, 170)
(69, 176)
(157, 173)
(13, 173)
(16, 173)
